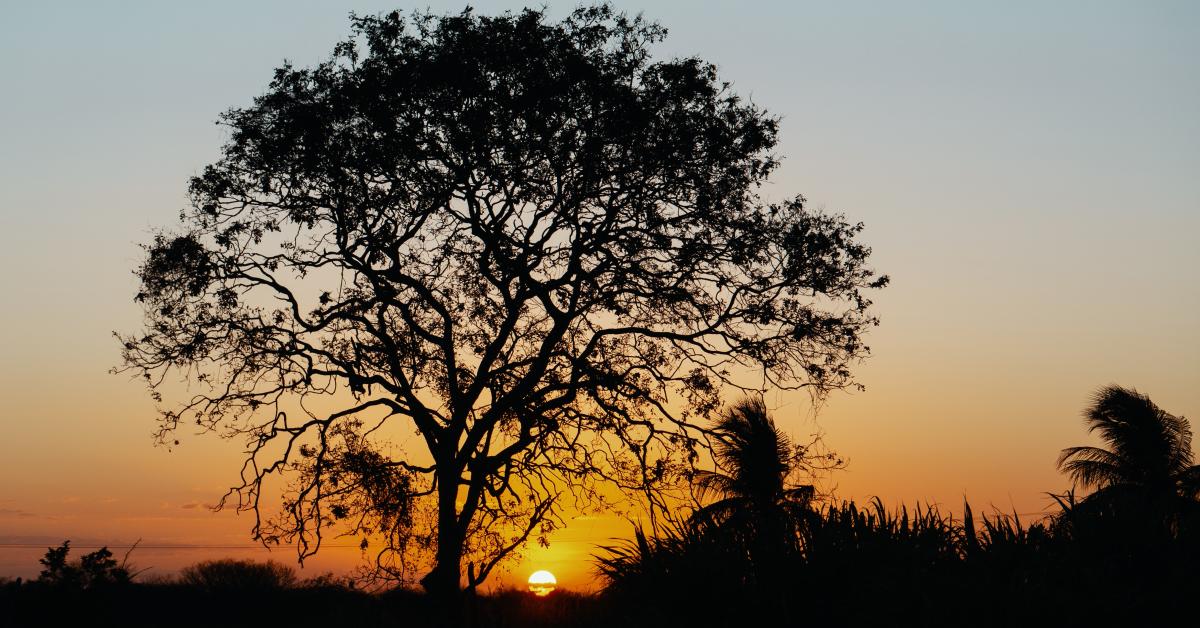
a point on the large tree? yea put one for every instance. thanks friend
(524, 243)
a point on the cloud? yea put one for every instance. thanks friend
(16, 513)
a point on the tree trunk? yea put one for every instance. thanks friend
(445, 579)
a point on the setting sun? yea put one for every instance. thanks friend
(542, 583)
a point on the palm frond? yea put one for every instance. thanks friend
(1093, 467)
(1092, 473)
(718, 511)
(1146, 446)
(712, 483)
(1189, 482)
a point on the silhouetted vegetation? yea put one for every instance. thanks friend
(546, 254)
(855, 565)
(233, 575)
(524, 240)
(1128, 549)
(1145, 483)
(247, 593)
(1099, 560)
(97, 569)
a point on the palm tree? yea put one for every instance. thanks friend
(745, 535)
(1148, 462)
(753, 497)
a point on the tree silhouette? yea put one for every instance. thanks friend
(97, 569)
(1148, 462)
(757, 459)
(527, 243)
(756, 508)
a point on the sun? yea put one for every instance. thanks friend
(541, 583)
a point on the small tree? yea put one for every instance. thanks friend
(1147, 470)
(96, 569)
(752, 501)
(757, 459)
(526, 242)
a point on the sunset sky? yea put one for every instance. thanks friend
(1028, 172)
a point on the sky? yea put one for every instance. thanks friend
(1028, 173)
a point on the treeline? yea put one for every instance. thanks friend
(96, 590)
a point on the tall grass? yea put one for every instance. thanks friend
(856, 564)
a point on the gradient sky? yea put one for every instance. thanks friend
(1029, 174)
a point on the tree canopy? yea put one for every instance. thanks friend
(525, 242)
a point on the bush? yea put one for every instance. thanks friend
(93, 570)
(238, 575)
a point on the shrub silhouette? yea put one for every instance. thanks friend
(238, 575)
(96, 569)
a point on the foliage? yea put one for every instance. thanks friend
(96, 569)
(854, 564)
(238, 575)
(758, 459)
(756, 507)
(528, 242)
(1147, 468)
(662, 575)
(866, 564)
